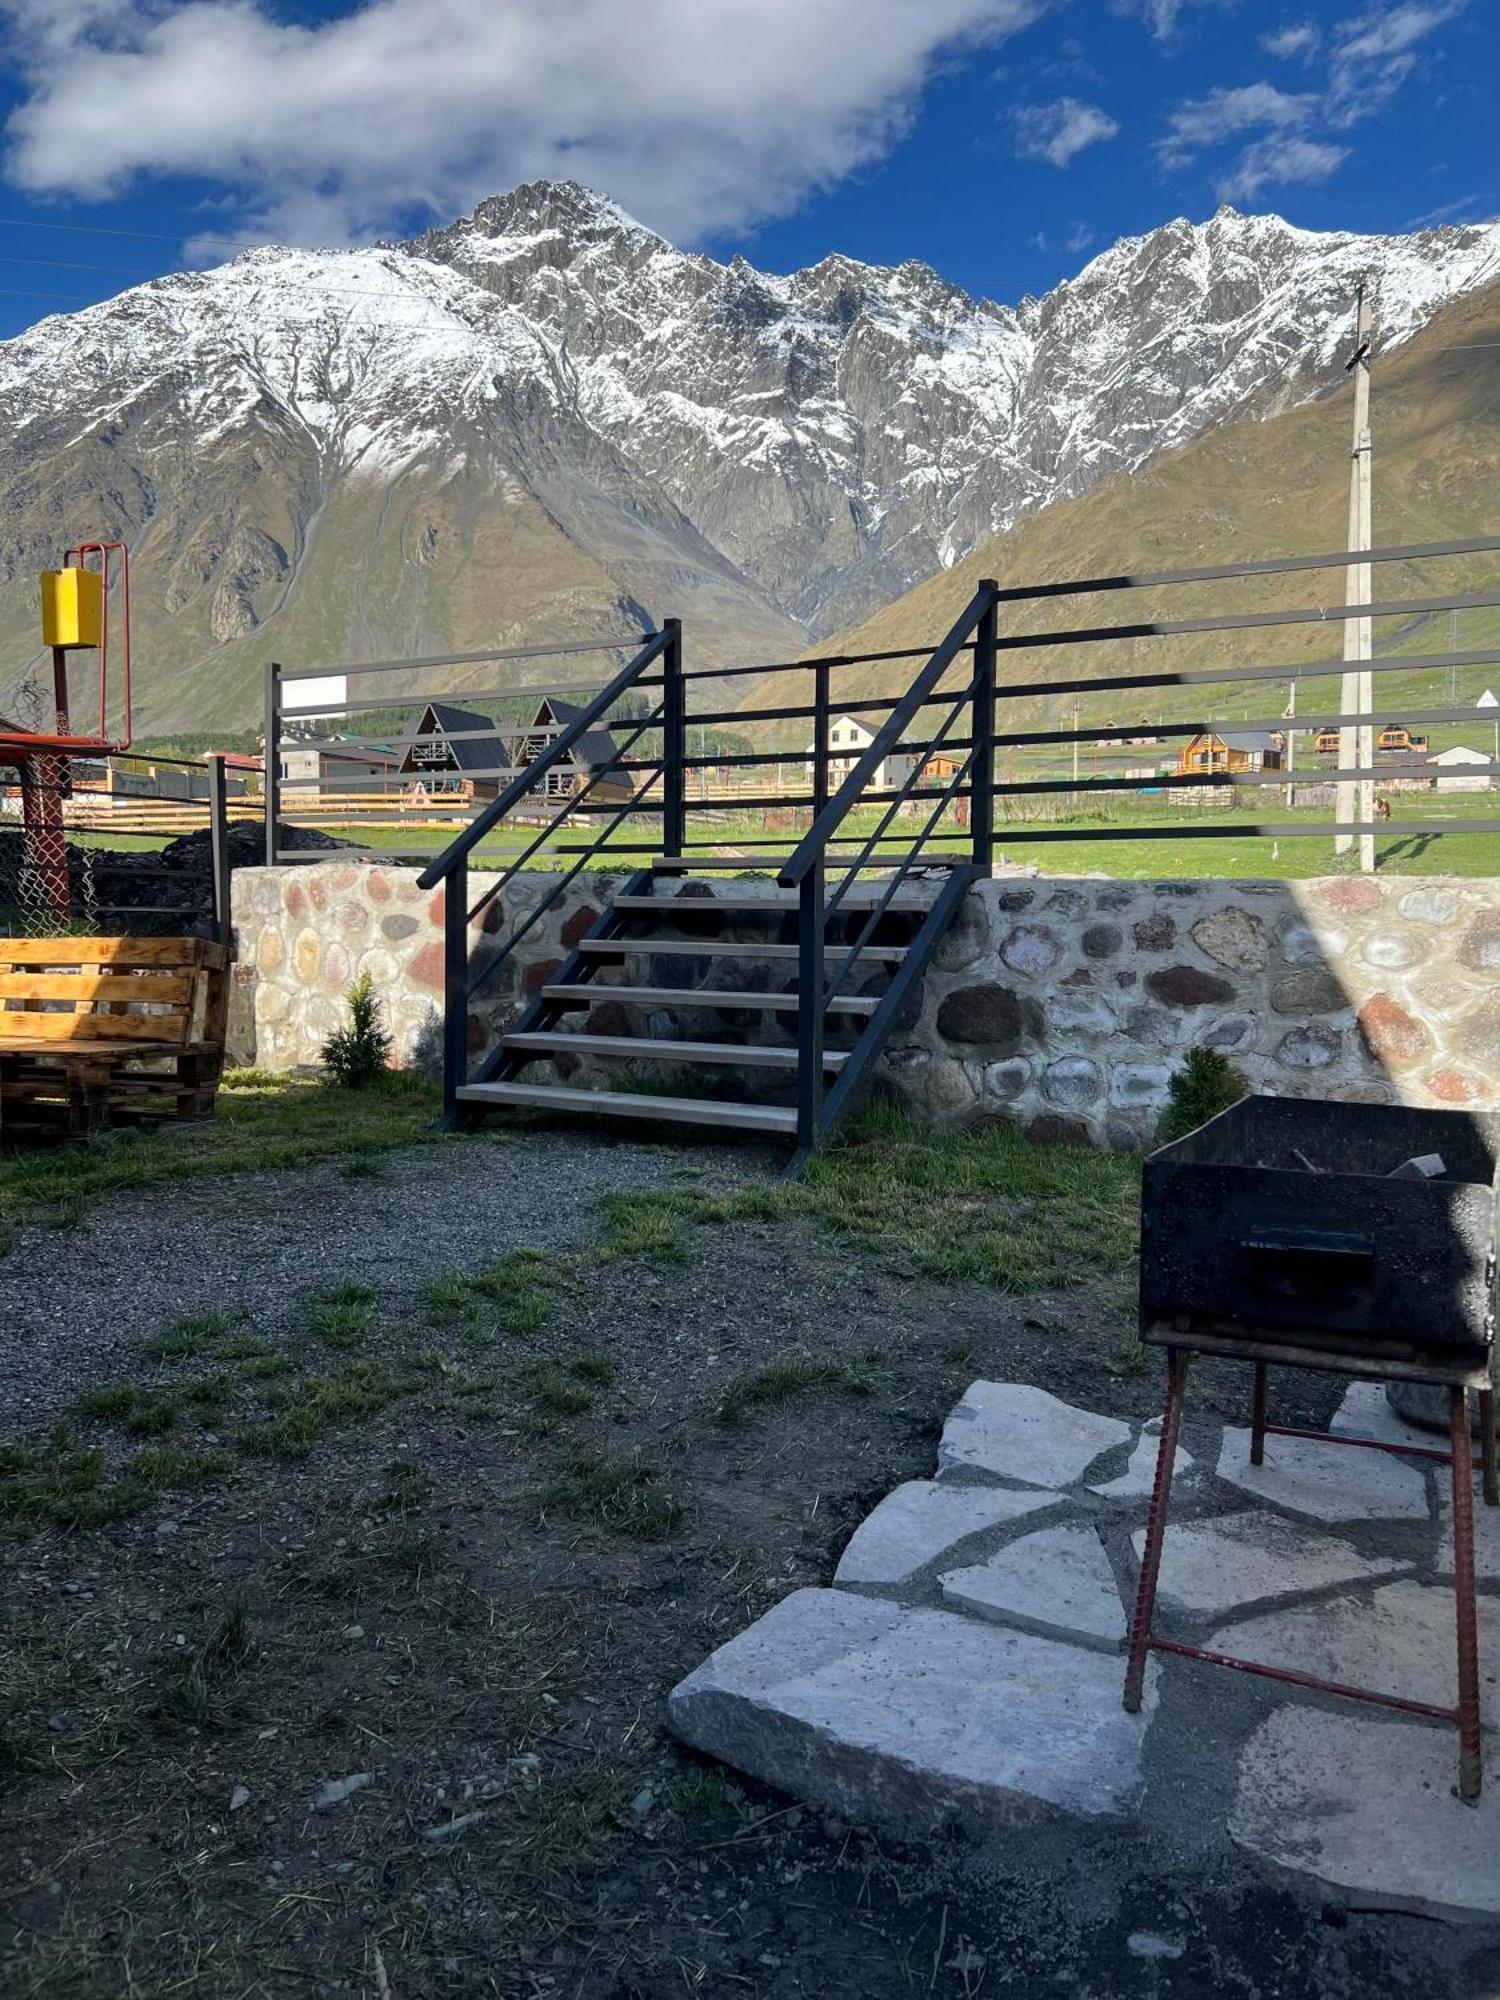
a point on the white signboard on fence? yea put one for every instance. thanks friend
(328, 695)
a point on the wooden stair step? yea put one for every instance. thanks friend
(689, 996)
(774, 902)
(771, 1119)
(543, 1043)
(772, 864)
(888, 954)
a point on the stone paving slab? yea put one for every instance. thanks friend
(914, 1718)
(1397, 1640)
(1006, 1702)
(1136, 1481)
(1367, 1803)
(1486, 1537)
(1210, 1567)
(1058, 1581)
(921, 1521)
(1329, 1482)
(1366, 1412)
(1012, 1431)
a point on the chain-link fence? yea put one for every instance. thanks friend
(115, 846)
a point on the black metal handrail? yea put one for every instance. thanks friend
(451, 867)
(806, 869)
(587, 718)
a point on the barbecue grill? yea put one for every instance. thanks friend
(1282, 1232)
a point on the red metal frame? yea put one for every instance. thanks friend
(18, 744)
(1465, 1715)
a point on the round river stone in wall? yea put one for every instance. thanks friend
(1187, 986)
(1312, 1047)
(1102, 940)
(1390, 1034)
(1430, 906)
(1155, 933)
(1072, 1081)
(1480, 950)
(1391, 950)
(982, 1014)
(1229, 1032)
(396, 928)
(1311, 989)
(1232, 938)
(1031, 949)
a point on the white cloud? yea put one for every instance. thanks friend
(1298, 42)
(1162, 16)
(1226, 114)
(1280, 161)
(698, 115)
(1057, 131)
(1377, 51)
(1282, 134)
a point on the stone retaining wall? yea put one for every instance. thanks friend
(1062, 1005)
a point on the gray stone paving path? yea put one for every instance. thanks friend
(966, 1668)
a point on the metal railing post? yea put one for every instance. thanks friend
(982, 711)
(218, 836)
(271, 774)
(821, 724)
(455, 983)
(810, 1006)
(674, 740)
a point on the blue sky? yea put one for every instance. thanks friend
(1002, 141)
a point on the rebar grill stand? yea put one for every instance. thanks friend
(1143, 1638)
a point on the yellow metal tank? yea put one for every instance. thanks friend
(72, 608)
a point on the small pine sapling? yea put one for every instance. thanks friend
(1206, 1084)
(358, 1055)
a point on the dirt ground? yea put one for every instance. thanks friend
(360, 1691)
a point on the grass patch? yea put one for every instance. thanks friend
(244, 1347)
(624, 1495)
(451, 1297)
(263, 1122)
(186, 1337)
(342, 1316)
(984, 1206)
(981, 1205)
(646, 1225)
(780, 1381)
(518, 1292)
(162, 1466)
(150, 1415)
(360, 1389)
(64, 1488)
(596, 1368)
(210, 1392)
(548, 1389)
(110, 1399)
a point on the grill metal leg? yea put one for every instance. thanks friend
(1487, 1447)
(1258, 1416)
(1464, 1600)
(1156, 1528)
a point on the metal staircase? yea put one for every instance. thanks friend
(750, 1006)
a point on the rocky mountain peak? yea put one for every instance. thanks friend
(804, 446)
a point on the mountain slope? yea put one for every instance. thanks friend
(544, 422)
(1257, 488)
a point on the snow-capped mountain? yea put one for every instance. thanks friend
(544, 416)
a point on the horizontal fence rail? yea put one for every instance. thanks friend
(913, 762)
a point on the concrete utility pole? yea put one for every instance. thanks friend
(1356, 797)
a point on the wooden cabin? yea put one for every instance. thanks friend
(1231, 751)
(1397, 740)
(456, 752)
(594, 757)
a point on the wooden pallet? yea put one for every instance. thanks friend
(95, 1031)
